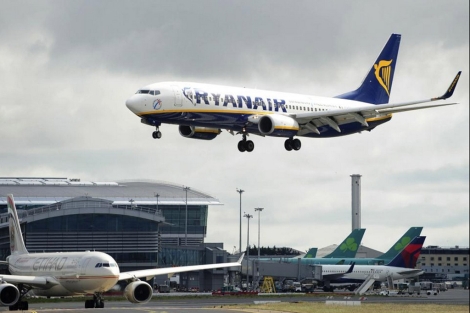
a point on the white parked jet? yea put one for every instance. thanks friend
(402, 266)
(202, 110)
(72, 273)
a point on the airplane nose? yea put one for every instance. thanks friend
(131, 104)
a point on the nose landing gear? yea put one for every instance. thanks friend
(157, 134)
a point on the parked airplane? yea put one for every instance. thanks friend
(401, 267)
(383, 259)
(347, 249)
(63, 274)
(202, 110)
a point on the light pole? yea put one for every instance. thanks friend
(186, 218)
(259, 223)
(248, 216)
(157, 195)
(240, 191)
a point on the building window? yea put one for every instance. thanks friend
(456, 258)
(423, 264)
(448, 258)
(439, 264)
(432, 258)
(439, 259)
(465, 258)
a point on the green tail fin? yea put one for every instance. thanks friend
(348, 248)
(401, 244)
(311, 253)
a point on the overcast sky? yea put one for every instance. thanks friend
(67, 68)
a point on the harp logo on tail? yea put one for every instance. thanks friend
(383, 71)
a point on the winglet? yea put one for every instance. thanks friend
(241, 258)
(351, 268)
(450, 90)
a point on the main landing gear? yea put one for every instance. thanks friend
(290, 144)
(21, 305)
(157, 134)
(97, 302)
(245, 145)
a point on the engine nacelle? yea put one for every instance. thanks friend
(203, 133)
(138, 292)
(278, 125)
(9, 294)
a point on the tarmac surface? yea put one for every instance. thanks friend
(204, 302)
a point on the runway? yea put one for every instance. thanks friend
(206, 303)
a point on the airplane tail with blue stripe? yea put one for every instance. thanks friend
(408, 257)
(377, 85)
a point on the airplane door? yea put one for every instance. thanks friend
(178, 96)
(83, 266)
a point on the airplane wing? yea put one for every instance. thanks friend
(329, 277)
(34, 281)
(148, 274)
(411, 272)
(334, 118)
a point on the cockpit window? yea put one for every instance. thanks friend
(106, 265)
(143, 91)
(154, 92)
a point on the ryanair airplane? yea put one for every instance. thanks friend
(203, 110)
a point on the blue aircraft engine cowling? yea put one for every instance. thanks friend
(9, 294)
(278, 125)
(204, 133)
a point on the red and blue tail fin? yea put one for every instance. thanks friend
(408, 257)
(377, 85)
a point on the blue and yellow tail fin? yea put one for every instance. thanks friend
(348, 248)
(377, 85)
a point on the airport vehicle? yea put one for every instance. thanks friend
(383, 259)
(63, 274)
(401, 267)
(203, 110)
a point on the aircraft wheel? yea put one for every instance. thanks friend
(296, 144)
(241, 146)
(23, 305)
(157, 134)
(89, 304)
(249, 145)
(288, 144)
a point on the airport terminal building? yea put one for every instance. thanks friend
(141, 224)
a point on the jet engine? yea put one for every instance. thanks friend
(138, 292)
(203, 133)
(276, 124)
(9, 294)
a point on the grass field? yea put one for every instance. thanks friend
(308, 307)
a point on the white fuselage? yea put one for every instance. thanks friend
(377, 272)
(67, 273)
(233, 108)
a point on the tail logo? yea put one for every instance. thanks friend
(383, 72)
(402, 244)
(350, 245)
